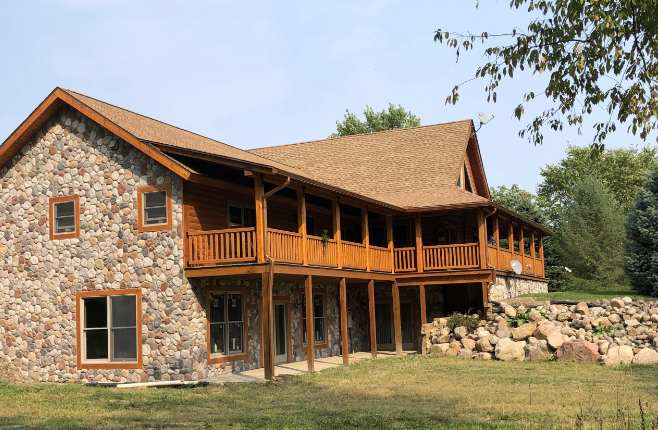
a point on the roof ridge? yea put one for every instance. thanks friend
(361, 134)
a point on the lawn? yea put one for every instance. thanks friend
(413, 392)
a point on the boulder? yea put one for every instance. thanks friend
(614, 318)
(483, 333)
(632, 323)
(484, 345)
(482, 356)
(616, 303)
(508, 350)
(454, 348)
(440, 349)
(627, 300)
(535, 315)
(646, 356)
(536, 351)
(502, 332)
(523, 332)
(605, 322)
(596, 311)
(582, 308)
(604, 346)
(544, 329)
(461, 332)
(617, 355)
(493, 340)
(579, 350)
(564, 316)
(510, 312)
(555, 339)
(654, 318)
(468, 344)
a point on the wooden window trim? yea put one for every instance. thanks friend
(51, 217)
(79, 323)
(227, 358)
(326, 319)
(140, 208)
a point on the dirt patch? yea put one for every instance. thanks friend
(9, 374)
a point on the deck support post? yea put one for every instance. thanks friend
(301, 222)
(510, 238)
(335, 206)
(389, 240)
(373, 322)
(397, 320)
(310, 330)
(496, 232)
(365, 235)
(343, 323)
(266, 320)
(482, 238)
(260, 233)
(541, 255)
(419, 243)
(532, 253)
(522, 248)
(423, 305)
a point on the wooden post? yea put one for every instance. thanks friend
(397, 320)
(336, 211)
(541, 255)
(266, 341)
(419, 243)
(532, 253)
(301, 222)
(365, 235)
(522, 248)
(260, 234)
(510, 238)
(485, 294)
(373, 322)
(482, 238)
(496, 232)
(423, 305)
(343, 322)
(389, 240)
(310, 320)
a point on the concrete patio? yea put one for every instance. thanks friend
(298, 368)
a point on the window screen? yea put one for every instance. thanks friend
(64, 217)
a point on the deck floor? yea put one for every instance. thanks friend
(298, 367)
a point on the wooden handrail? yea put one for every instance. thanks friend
(227, 230)
(459, 256)
(354, 255)
(380, 259)
(285, 246)
(405, 259)
(208, 248)
(318, 254)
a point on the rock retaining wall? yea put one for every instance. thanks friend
(507, 287)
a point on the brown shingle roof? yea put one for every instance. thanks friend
(413, 167)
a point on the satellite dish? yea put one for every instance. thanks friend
(483, 117)
(517, 267)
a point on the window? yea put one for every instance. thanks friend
(241, 216)
(64, 217)
(154, 206)
(310, 226)
(319, 319)
(227, 326)
(109, 329)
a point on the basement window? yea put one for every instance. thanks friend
(227, 329)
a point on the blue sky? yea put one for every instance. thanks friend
(261, 73)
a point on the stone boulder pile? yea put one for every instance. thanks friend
(618, 331)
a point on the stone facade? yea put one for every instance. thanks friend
(507, 287)
(39, 277)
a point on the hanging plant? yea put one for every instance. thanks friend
(325, 241)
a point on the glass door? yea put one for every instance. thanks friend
(281, 334)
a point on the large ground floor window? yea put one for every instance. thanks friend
(226, 311)
(109, 329)
(319, 319)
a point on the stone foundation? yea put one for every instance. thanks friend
(507, 287)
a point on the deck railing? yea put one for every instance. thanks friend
(285, 246)
(460, 256)
(221, 246)
(319, 254)
(505, 263)
(354, 255)
(380, 259)
(405, 259)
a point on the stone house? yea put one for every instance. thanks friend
(132, 250)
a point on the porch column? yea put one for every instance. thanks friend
(389, 240)
(343, 322)
(258, 203)
(510, 238)
(532, 253)
(522, 248)
(310, 331)
(301, 222)
(423, 305)
(365, 235)
(541, 255)
(482, 238)
(373, 322)
(496, 232)
(419, 243)
(397, 320)
(266, 341)
(336, 217)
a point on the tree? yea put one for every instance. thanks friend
(396, 117)
(641, 262)
(591, 236)
(520, 201)
(598, 52)
(621, 171)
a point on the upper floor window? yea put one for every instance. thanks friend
(240, 215)
(64, 217)
(154, 208)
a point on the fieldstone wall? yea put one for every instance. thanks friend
(507, 287)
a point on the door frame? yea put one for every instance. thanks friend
(286, 301)
(414, 310)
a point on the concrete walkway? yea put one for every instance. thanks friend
(297, 368)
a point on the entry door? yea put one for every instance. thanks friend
(281, 334)
(385, 325)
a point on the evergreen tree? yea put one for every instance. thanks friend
(642, 238)
(590, 239)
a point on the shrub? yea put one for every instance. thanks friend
(459, 320)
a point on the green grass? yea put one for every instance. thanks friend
(413, 392)
(586, 295)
